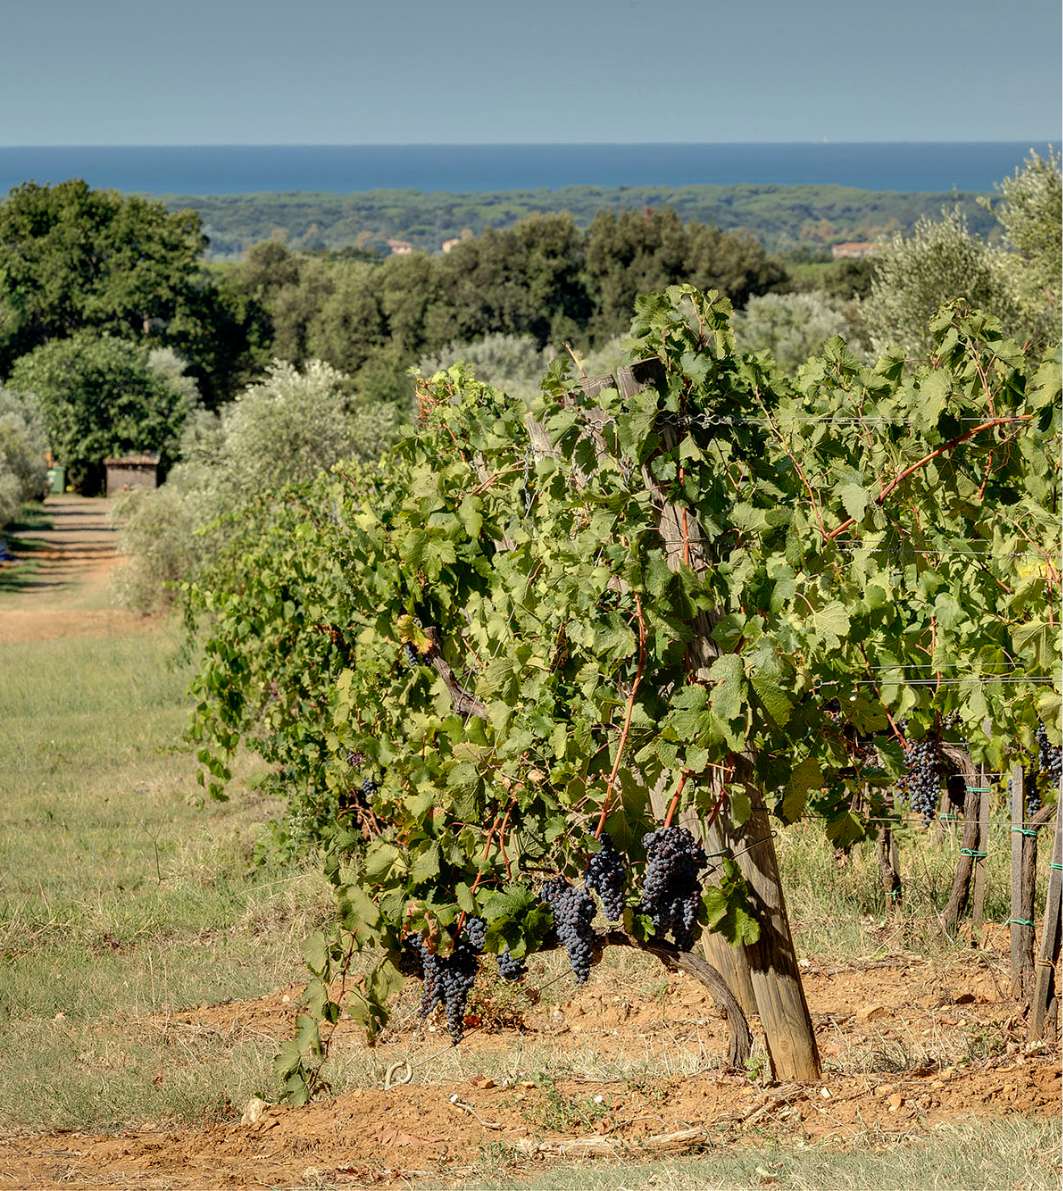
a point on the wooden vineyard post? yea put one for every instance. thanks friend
(961, 882)
(981, 873)
(1043, 1004)
(1018, 806)
(771, 964)
(1028, 934)
(887, 864)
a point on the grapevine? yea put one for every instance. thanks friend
(620, 591)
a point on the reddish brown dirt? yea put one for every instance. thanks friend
(374, 1136)
(67, 571)
(952, 1031)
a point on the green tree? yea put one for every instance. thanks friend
(73, 258)
(1030, 215)
(524, 280)
(916, 275)
(101, 396)
(636, 252)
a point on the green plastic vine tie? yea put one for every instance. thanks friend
(1027, 831)
(1057, 867)
(980, 789)
(1018, 922)
(975, 852)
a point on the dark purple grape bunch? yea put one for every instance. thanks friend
(428, 966)
(921, 784)
(509, 967)
(1049, 756)
(573, 912)
(606, 876)
(448, 979)
(671, 886)
(410, 657)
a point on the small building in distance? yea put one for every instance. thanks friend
(854, 250)
(132, 471)
(400, 247)
(449, 244)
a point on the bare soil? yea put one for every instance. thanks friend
(65, 592)
(908, 1045)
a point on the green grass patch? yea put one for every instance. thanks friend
(123, 897)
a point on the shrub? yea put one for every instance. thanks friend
(793, 327)
(23, 443)
(285, 429)
(513, 363)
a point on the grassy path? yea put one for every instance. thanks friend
(121, 898)
(60, 585)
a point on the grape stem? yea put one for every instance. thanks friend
(628, 711)
(951, 445)
(487, 851)
(674, 804)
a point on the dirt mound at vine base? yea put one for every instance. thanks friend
(378, 1138)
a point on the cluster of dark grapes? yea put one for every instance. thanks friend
(921, 782)
(423, 961)
(1049, 756)
(956, 788)
(410, 656)
(671, 891)
(573, 914)
(1033, 797)
(448, 979)
(510, 968)
(606, 875)
(350, 799)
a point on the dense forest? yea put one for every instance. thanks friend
(783, 218)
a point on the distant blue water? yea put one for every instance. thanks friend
(240, 169)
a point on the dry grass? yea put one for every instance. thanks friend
(1015, 1154)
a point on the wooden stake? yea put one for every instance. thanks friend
(1018, 814)
(773, 971)
(1044, 991)
(887, 866)
(1029, 897)
(961, 882)
(980, 870)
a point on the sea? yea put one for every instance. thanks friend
(341, 169)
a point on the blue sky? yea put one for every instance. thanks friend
(416, 71)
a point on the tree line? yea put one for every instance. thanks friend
(114, 318)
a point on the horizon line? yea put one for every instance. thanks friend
(821, 143)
